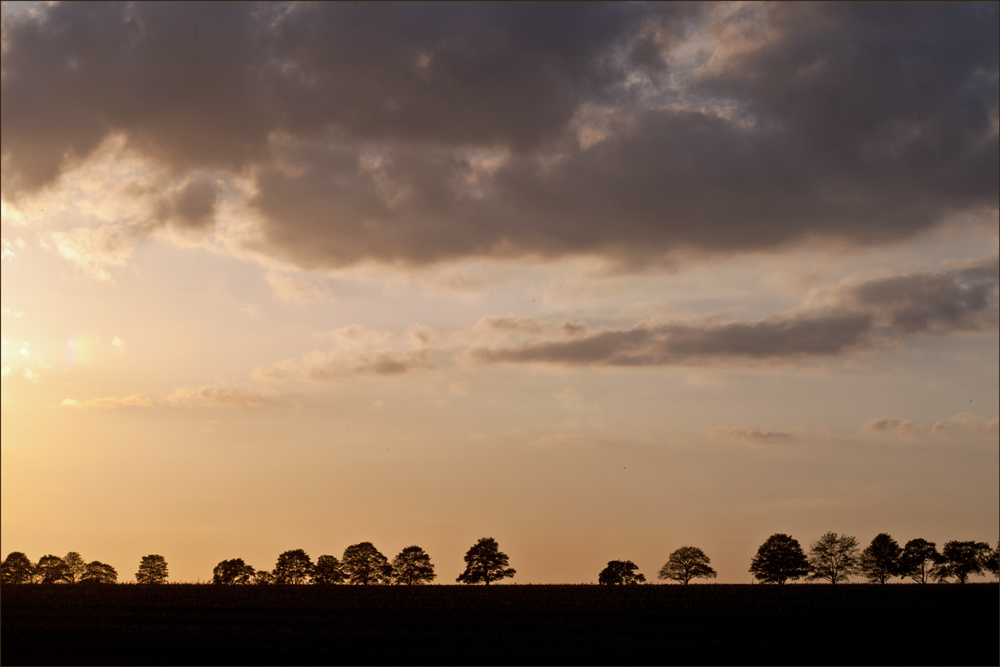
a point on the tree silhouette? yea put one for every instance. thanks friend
(687, 563)
(919, 560)
(620, 573)
(834, 558)
(75, 567)
(992, 563)
(97, 572)
(960, 559)
(778, 560)
(263, 578)
(16, 568)
(152, 570)
(880, 559)
(328, 571)
(364, 564)
(484, 562)
(293, 567)
(412, 566)
(53, 570)
(233, 572)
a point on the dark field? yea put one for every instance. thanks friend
(698, 624)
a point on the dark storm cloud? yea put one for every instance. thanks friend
(963, 299)
(420, 133)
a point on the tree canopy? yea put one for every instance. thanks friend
(961, 559)
(779, 559)
(620, 573)
(919, 560)
(880, 559)
(293, 567)
(412, 566)
(233, 572)
(328, 570)
(75, 567)
(16, 568)
(834, 558)
(484, 562)
(992, 564)
(152, 570)
(53, 570)
(97, 572)
(364, 564)
(687, 563)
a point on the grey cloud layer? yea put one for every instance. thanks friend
(420, 133)
(863, 314)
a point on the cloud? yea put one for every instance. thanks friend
(417, 134)
(7, 312)
(297, 291)
(861, 316)
(95, 250)
(213, 397)
(118, 344)
(111, 402)
(318, 365)
(894, 426)
(7, 252)
(183, 397)
(968, 423)
(31, 375)
(761, 435)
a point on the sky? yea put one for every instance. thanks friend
(596, 280)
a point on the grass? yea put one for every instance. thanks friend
(699, 624)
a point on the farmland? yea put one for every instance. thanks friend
(700, 624)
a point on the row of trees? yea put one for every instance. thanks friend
(834, 558)
(17, 568)
(362, 564)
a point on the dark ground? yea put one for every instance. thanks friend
(699, 624)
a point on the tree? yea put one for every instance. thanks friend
(364, 564)
(53, 570)
(97, 572)
(16, 569)
(685, 564)
(263, 578)
(960, 559)
(328, 571)
(152, 570)
(75, 567)
(484, 562)
(880, 559)
(620, 573)
(919, 560)
(992, 563)
(833, 557)
(293, 567)
(778, 560)
(412, 566)
(233, 572)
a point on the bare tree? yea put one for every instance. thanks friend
(687, 563)
(834, 558)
